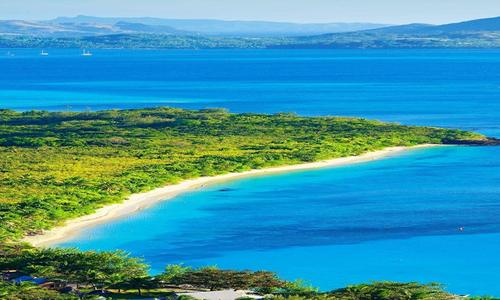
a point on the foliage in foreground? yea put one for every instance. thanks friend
(120, 273)
(379, 291)
(28, 291)
(96, 269)
(117, 270)
(60, 165)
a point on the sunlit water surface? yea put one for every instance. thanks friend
(394, 219)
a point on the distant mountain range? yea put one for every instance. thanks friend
(480, 25)
(52, 29)
(88, 26)
(98, 32)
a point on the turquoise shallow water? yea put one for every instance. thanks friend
(393, 219)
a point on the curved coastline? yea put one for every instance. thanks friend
(140, 201)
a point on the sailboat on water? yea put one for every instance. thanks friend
(44, 53)
(86, 53)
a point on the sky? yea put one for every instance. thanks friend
(301, 11)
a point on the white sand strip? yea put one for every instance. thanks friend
(137, 202)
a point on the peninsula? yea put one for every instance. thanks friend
(58, 166)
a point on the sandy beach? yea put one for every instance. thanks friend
(137, 202)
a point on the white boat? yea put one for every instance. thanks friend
(43, 53)
(86, 53)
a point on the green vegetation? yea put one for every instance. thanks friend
(118, 272)
(29, 291)
(96, 269)
(364, 39)
(375, 39)
(60, 165)
(214, 279)
(379, 290)
(118, 276)
(132, 41)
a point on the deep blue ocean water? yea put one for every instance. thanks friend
(393, 219)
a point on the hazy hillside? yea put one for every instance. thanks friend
(82, 26)
(480, 25)
(224, 28)
(84, 32)
(144, 28)
(48, 29)
(415, 28)
(490, 24)
(482, 33)
(20, 27)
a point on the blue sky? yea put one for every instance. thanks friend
(382, 11)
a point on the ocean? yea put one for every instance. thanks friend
(428, 215)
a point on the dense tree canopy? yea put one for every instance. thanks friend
(28, 291)
(215, 279)
(98, 269)
(116, 273)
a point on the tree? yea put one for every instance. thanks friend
(392, 291)
(98, 269)
(173, 271)
(139, 283)
(213, 278)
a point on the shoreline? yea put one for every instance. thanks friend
(137, 202)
